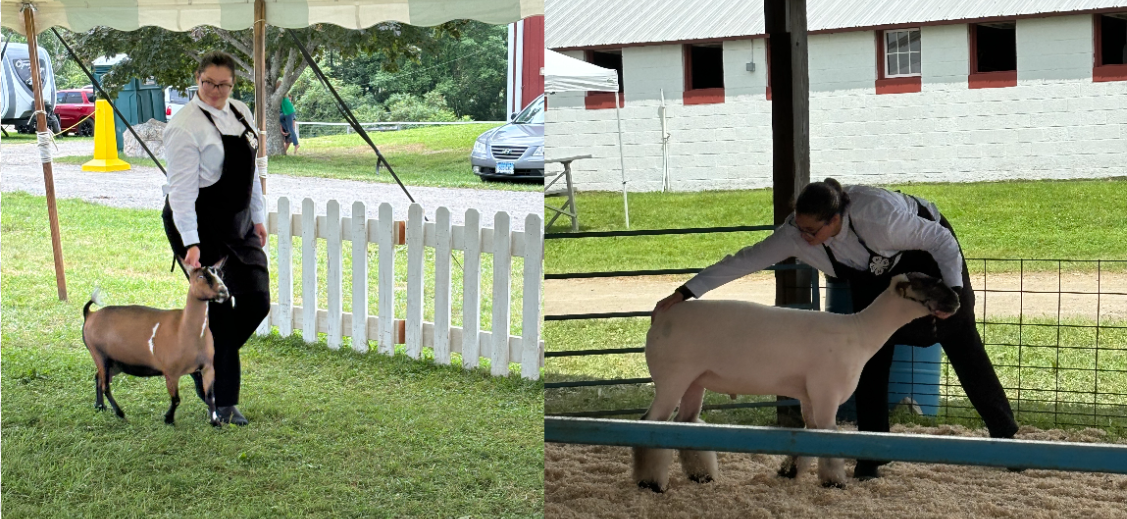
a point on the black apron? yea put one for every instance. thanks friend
(223, 216)
(866, 285)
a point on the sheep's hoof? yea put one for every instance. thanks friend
(790, 471)
(700, 478)
(833, 484)
(652, 485)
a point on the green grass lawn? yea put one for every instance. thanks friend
(1074, 219)
(333, 433)
(437, 156)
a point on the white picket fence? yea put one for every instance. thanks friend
(331, 231)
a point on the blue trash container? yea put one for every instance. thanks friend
(914, 373)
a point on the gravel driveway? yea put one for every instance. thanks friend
(140, 188)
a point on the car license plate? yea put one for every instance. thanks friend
(506, 168)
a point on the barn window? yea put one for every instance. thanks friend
(704, 73)
(993, 55)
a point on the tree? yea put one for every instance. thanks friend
(468, 71)
(171, 58)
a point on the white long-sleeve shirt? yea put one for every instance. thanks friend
(887, 221)
(194, 151)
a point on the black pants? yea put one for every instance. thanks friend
(963, 346)
(231, 327)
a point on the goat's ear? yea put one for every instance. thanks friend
(187, 269)
(902, 287)
(219, 264)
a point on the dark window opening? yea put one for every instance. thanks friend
(1113, 39)
(706, 67)
(996, 47)
(608, 59)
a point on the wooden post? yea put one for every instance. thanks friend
(260, 78)
(48, 172)
(790, 133)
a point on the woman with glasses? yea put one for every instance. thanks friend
(866, 235)
(214, 210)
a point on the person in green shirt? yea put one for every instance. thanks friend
(288, 120)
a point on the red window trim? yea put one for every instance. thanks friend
(601, 100)
(976, 79)
(1103, 73)
(697, 96)
(895, 85)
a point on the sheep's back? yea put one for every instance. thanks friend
(744, 327)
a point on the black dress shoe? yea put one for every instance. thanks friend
(230, 414)
(867, 470)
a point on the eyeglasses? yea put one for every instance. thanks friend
(811, 234)
(222, 87)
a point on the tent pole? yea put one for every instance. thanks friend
(260, 101)
(621, 161)
(44, 137)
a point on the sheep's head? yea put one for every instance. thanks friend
(206, 282)
(928, 291)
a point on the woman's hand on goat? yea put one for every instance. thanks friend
(192, 258)
(260, 230)
(666, 303)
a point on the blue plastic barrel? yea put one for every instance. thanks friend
(914, 373)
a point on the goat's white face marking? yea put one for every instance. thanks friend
(154, 336)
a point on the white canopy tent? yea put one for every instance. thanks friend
(566, 74)
(30, 17)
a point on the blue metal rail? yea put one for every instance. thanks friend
(1083, 457)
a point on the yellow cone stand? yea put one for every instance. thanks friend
(105, 141)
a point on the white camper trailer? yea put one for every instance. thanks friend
(17, 102)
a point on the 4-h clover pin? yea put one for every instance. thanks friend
(878, 264)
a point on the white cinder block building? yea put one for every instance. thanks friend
(899, 91)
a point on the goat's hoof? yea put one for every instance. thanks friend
(652, 485)
(169, 420)
(99, 407)
(1016, 469)
(120, 414)
(833, 484)
(789, 472)
(700, 478)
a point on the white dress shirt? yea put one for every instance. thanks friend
(887, 221)
(194, 151)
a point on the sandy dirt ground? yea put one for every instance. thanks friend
(1005, 294)
(594, 481)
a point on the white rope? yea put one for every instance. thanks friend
(45, 139)
(261, 163)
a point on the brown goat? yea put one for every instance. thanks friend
(147, 342)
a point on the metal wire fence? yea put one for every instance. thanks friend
(1055, 330)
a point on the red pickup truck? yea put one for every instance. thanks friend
(72, 106)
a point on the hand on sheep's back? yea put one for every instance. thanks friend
(666, 304)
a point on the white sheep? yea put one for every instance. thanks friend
(744, 348)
